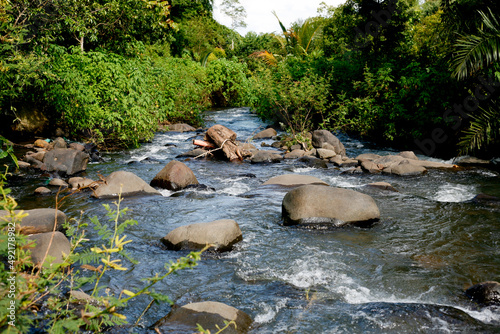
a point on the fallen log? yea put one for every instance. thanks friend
(225, 139)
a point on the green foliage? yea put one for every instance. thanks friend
(291, 94)
(6, 150)
(228, 83)
(36, 296)
(477, 52)
(89, 24)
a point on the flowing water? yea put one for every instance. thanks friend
(406, 274)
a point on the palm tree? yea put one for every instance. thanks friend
(300, 38)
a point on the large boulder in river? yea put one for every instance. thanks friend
(207, 314)
(174, 176)
(56, 242)
(314, 205)
(486, 293)
(222, 234)
(294, 180)
(38, 220)
(124, 183)
(321, 137)
(66, 161)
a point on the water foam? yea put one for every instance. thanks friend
(454, 193)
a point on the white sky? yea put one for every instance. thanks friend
(260, 18)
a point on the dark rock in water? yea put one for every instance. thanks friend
(150, 160)
(276, 144)
(93, 152)
(222, 234)
(320, 137)
(200, 187)
(414, 317)
(266, 156)
(170, 145)
(249, 175)
(66, 161)
(314, 162)
(320, 205)
(486, 198)
(193, 153)
(174, 176)
(486, 293)
(184, 320)
(356, 170)
(58, 243)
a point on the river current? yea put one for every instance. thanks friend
(405, 274)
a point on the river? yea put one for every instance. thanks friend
(406, 274)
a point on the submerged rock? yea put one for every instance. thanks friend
(174, 176)
(126, 183)
(208, 315)
(314, 205)
(222, 234)
(314, 162)
(487, 293)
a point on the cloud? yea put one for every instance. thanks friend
(260, 18)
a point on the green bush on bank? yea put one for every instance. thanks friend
(119, 100)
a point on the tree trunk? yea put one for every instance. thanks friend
(225, 138)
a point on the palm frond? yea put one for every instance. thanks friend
(478, 51)
(265, 56)
(483, 130)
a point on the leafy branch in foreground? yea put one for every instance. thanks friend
(38, 296)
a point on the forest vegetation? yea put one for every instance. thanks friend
(420, 75)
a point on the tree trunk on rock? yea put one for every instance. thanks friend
(225, 139)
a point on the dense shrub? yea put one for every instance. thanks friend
(298, 99)
(119, 100)
(228, 83)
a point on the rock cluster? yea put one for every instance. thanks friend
(42, 226)
(57, 156)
